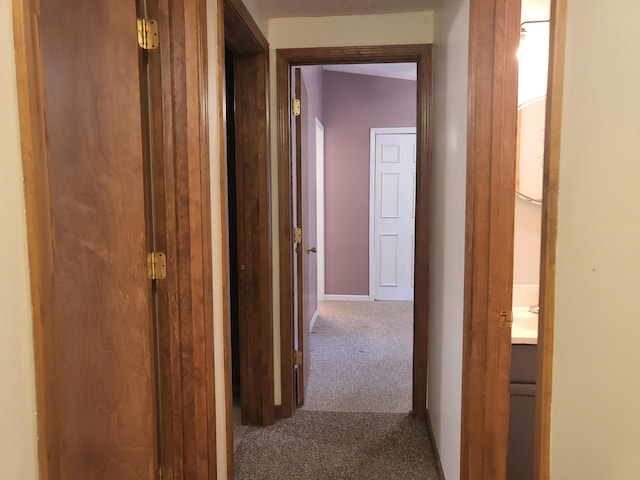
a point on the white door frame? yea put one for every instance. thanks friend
(372, 196)
(320, 209)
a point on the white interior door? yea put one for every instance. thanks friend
(394, 214)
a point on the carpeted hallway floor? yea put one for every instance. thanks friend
(361, 358)
(355, 422)
(337, 446)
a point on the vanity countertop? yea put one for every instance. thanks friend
(525, 326)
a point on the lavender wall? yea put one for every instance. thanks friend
(312, 78)
(353, 104)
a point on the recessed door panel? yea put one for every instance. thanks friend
(389, 260)
(390, 195)
(390, 154)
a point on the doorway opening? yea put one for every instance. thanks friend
(367, 179)
(292, 331)
(247, 185)
(533, 66)
(489, 287)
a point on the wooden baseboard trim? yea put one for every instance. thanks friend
(436, 454)
(278, 412)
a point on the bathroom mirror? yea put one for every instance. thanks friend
(530, 159)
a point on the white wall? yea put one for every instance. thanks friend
(18, 454)
(257, 14)
(595, 418)
(526, 252)
(390, 29)
(533, 58)
(387, 29)
(451, 57)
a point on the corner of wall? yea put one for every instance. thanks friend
(260, 18)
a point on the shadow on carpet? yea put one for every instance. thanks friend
(332, 445)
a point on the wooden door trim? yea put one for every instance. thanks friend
(185, 146)
(223, 260)
(491, 150)
(297, 75)
(31, 101)
(253, 169)
(477, 457)
(542, 442)
(242, 33)
(255, 275)
(285, 59)
(186, 152)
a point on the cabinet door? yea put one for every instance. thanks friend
(522, 417)
(523, 363)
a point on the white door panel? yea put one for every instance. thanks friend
(389, 257)
(394, 216)
(390, 195)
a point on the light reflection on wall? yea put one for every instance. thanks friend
(533, 61)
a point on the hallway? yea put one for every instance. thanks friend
(355, 423)
(361, 357)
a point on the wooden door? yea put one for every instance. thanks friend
(308, 208)
(394, 215)
(493, 93)
(93, 317)
(299, 325)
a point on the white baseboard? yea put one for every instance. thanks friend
(347, 298)
(313, 320)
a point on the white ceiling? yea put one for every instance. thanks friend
(403, 71)
(531, 9)
(329, 8)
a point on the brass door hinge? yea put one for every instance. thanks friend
(297, 357)
(506, 318)
(156, 266)
(296, 107)
(297, 235)
(148, 37)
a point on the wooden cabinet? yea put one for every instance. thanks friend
(522, 412)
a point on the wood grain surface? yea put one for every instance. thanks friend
(96, 395)
(549, 241)
(253, 212)
(491, 150)
(83, 102)
(253, 200)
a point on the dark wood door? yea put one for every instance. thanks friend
(248, 113)
(300, 333)
(96, 355)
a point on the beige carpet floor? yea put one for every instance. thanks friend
(337, 446)
(355, 423)
(361, 358)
